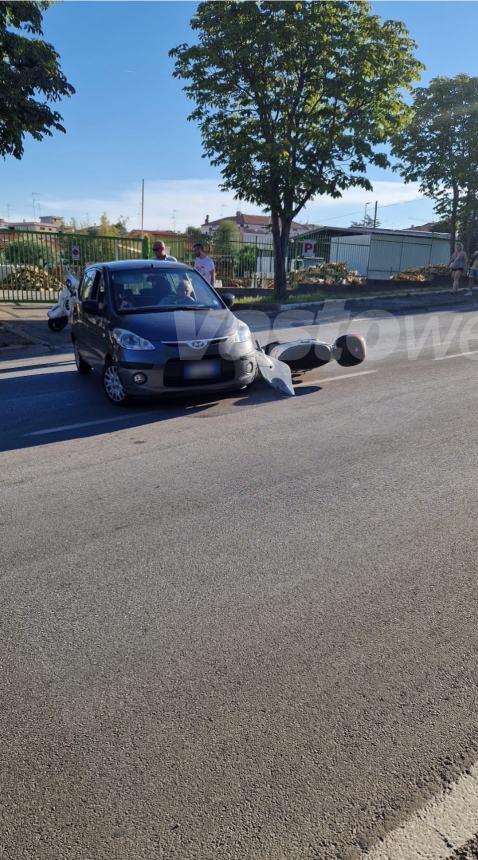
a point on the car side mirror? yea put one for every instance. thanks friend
(90, 306)
(228, 299)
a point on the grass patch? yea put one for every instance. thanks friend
(340, 292)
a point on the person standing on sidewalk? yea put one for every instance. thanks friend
(159, 251)
(203, 264)
(457, 265)
(473, 273)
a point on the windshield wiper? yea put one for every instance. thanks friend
(194, 308)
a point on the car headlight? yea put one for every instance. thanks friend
(129, 340)
(242, 333)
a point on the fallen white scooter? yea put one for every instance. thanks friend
(277, 361)
(60, 313)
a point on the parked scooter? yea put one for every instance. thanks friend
(60, 313)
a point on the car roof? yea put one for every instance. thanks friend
(121, 265)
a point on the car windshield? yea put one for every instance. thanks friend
(153, 289)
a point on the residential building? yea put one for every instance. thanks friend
(45, 224)
(252, 227)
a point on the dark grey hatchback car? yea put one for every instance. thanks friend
(152, 327)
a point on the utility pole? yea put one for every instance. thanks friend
(35, 194)
(375, 215)
(142, 208)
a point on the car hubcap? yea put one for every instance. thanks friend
(113, 385)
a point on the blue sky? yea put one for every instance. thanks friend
(127, 120)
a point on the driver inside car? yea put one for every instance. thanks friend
(184, 289)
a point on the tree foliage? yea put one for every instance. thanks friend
(439, 146)
(367, 221)
(30, 77)
(28, 252)
(293, 99)
(194, 234)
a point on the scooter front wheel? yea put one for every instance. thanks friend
(57, 323)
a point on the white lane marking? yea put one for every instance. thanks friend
(51, 358)
(439, 828)
(83, 424)
(345, 376)
(38, 371)
(456, 355)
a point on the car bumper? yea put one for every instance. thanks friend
(148, 379)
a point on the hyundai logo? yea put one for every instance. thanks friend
(197, 344)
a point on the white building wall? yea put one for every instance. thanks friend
(351, 250)
(380, 256)
(392, 254)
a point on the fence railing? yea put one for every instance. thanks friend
(33, 264)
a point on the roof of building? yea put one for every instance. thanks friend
(381, 231)
(249, 222)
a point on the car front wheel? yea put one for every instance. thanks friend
(114, 388)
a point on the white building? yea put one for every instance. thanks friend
(45, 224)
(378, 254)
(253, 228)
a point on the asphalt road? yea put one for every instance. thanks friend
(240, 627)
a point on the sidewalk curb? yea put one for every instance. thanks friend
(415, 301)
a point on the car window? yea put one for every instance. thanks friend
(151, 289)
(88, 284)
(99, 291)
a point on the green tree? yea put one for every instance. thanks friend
(30, 77)
(292, 99)
(439, 146)
(227, 239)
(247, 259)
(121, 226)
(194, 234)
(27, 253)
(367, 221)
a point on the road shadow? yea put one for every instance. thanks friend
(44, 404)
(20, 335)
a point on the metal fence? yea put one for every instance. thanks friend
(33, 264)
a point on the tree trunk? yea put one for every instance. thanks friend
(280, 235)
(453, 220)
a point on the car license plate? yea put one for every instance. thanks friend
(202, 369)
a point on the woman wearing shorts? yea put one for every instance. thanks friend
(457, 265)
(473, 273)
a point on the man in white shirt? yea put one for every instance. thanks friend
(159, 251)
(203, 264)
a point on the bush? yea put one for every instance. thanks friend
(424, 273)
(415, 275)
(329, 273)
(24, 253)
